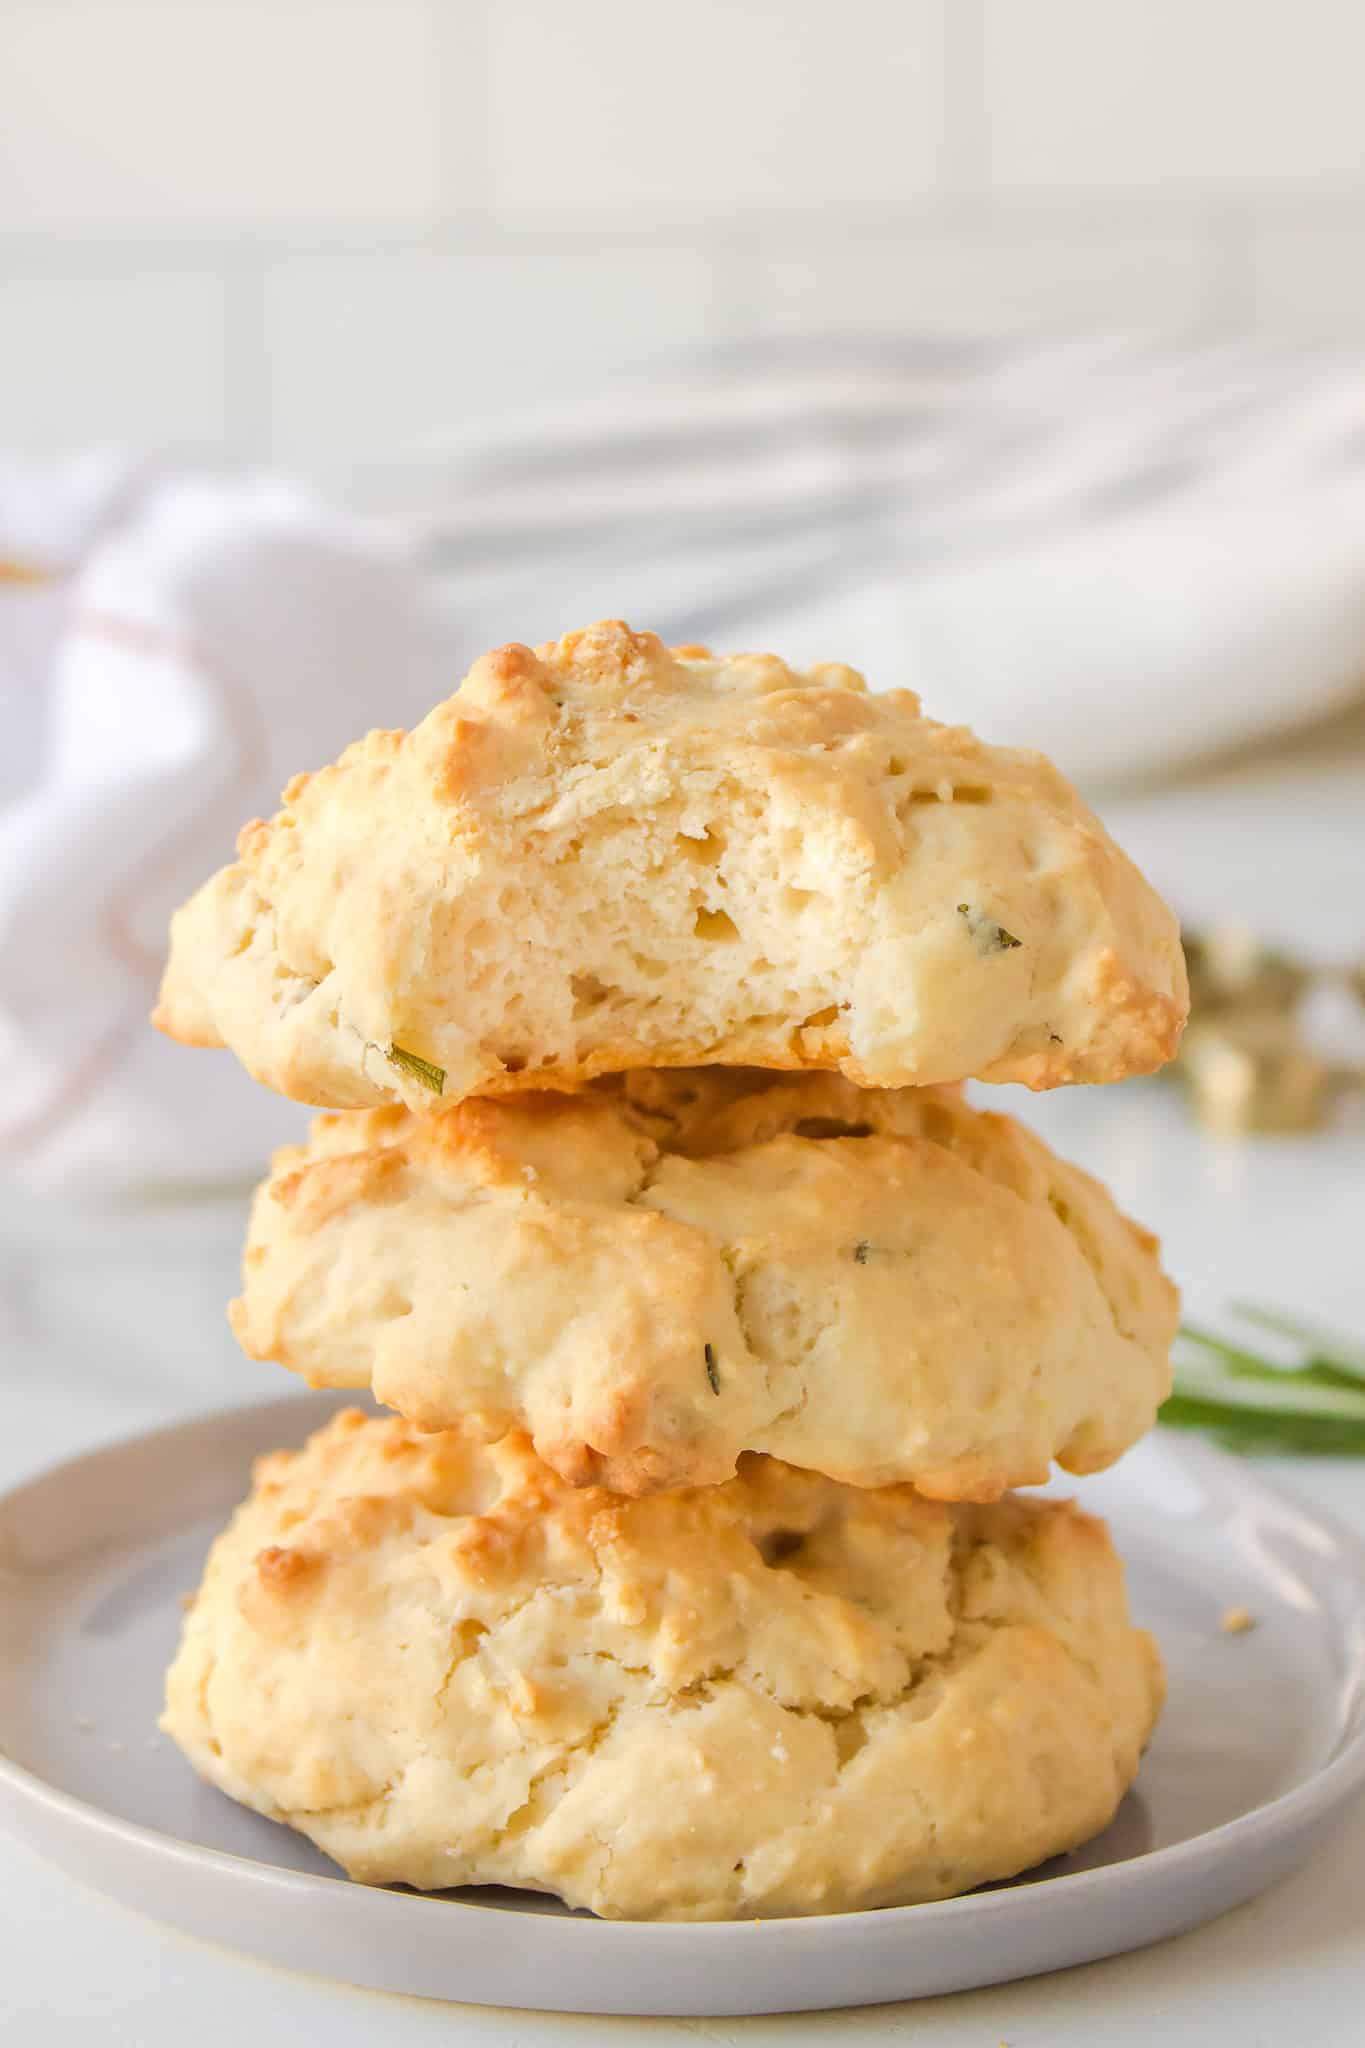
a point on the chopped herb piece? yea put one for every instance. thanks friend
(421, 1070)
(711, 1372)
(861, 1250)
(989, 936)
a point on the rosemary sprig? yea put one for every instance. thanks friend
(1329, 1350)
(1310, 1401)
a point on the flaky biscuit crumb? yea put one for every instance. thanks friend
(602, 855)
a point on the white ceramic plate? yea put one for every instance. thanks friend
(1263, 1740)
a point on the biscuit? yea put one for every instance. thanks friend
(669, 1269)
(606, 855)
(777, 1696)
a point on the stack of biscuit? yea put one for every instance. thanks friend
(686, 1581)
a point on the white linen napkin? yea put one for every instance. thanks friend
(196, 642)
(1125, 554)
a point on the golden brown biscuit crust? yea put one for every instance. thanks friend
(604, 855)
(776, 1696)
(670, 1269)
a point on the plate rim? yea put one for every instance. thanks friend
(1292, 1812)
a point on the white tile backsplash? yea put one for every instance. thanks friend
(1172, 96)
(321, 229)
(617, 107)
(1007, 280)
(1308, 278)
(149, 112)
(116, 353)
(371, 352)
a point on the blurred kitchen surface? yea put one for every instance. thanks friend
(321, 230)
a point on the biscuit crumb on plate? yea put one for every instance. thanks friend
(1236, 1621)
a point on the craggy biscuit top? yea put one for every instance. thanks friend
(671, 1268)
(605, 855)
(779, 1695)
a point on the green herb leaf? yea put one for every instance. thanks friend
(711, 1372)
(987, 935)
(1227, 1357)
(1257, 1434)
(1328, 1350)
(1314, 1404)
(860, 1251)
(420, 1069)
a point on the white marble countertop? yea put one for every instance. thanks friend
(112, 1320)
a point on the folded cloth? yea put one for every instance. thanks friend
(1124, 554)
(178, 648)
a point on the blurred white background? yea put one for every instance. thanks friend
(322, 229)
